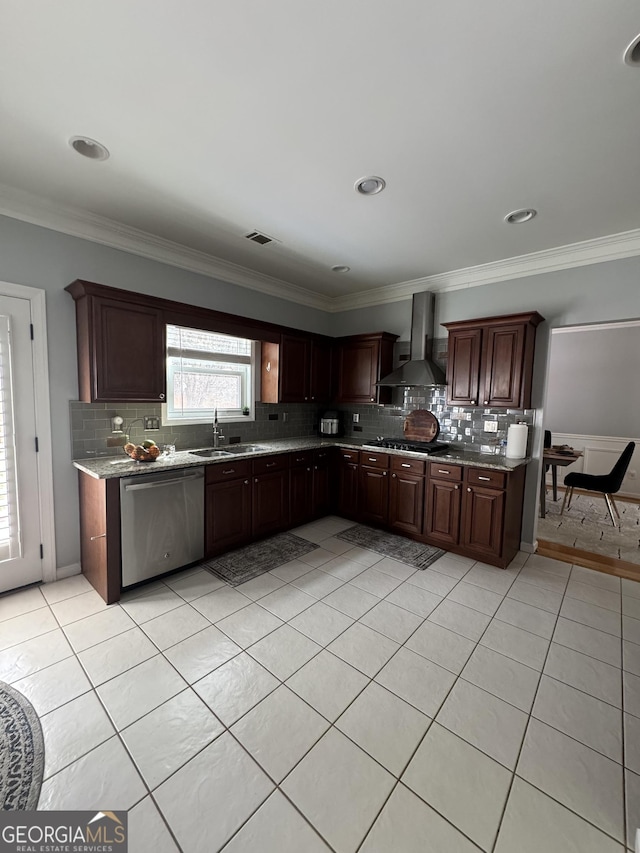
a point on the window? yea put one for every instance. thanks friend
(208, 371)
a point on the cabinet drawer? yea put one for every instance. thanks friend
(350, 457)
(302, 459)
(405, 465)
(374, 460)
(268, 464)
(486, 477)
(443, 471)
(228, 470)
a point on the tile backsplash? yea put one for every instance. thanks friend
(460, 426)
(91, 424)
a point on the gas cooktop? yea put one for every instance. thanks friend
(429, 447)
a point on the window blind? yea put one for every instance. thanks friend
(10, 545)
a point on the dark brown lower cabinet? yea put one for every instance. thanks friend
(227, 515)
(322, 485)
(301, 488)
(100, 535)
(476, 512)
(270, 503)
(348, 476)
(374, 495)
(483, 514)
(406, 502)
(442, 517)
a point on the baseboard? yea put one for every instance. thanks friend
(68, 571)
(599, 562)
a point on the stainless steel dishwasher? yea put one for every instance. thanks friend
(161, 522)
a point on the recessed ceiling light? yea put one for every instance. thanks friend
(632, 53)
(370, 185)
(340, 268)
(89, 148)
(517, 217)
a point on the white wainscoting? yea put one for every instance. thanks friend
(600, 455)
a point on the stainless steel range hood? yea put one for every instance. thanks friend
(419, 370)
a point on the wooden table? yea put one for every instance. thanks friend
(554, 459)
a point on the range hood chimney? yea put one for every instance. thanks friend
(420, 370)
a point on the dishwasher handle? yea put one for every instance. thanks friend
(133, 487)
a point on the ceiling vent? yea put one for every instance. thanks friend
(260, 238)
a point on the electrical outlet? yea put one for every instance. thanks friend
(491, 426)
(151, 423)
(356, 418)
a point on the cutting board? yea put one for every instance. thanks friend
(421, 425)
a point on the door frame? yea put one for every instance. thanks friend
(37, 299)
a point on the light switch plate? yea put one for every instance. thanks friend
(491, 426)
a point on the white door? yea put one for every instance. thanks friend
(20, 560)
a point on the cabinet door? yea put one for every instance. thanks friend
(463, 366)
(406, 502)
(321, 355)
(503, 355)
(227, 515)
(128, 356)
(483, 518)
(374, 495)
(358, 369)
(322, 487)
(300, 495)
(442, 517)
(270, 502)
(348, 489)
(295, 360)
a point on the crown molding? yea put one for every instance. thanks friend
(36, 210)
(600, 249)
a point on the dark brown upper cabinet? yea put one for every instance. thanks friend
(121, 347)
(491, 361)
(361, 361)
(297, 370)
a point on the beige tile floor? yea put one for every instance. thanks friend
(342, 702)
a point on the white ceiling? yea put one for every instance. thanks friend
(224, 117)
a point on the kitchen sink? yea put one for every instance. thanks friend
(245, 448)
(210, 453)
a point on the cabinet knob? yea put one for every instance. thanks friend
(456, 488)
(161, 396)
(486, 402)
(384, 473)
(469, 489)
(394, 475)
(473, 402)
(246, 482)
(306, 398)
(256, 480)
(373, 399)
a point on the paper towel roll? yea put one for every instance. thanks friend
(517, 441)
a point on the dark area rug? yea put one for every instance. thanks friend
(390, 545)
(21, 752)
(249, 562)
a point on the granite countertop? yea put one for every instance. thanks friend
(105, 468)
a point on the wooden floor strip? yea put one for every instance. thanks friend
(599, 562)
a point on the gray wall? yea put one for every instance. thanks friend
(594, 382)
(38, 257)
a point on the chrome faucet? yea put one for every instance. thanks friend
(217, 432)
